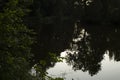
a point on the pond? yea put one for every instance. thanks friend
(94, 54)
(109, 71)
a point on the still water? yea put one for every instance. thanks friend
(110, 71)
(94, 54)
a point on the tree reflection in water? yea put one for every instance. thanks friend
(89, 46)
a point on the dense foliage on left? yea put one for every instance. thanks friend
(15, 42)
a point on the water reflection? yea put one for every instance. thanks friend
(110, 71)
(86, 47)
(51, 39)
(89, 46)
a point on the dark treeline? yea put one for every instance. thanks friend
(87, 11)
(34, 32)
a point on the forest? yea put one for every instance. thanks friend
(34, 32)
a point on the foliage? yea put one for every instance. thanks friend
(53, 23)
(15, 42)
(42, 65)
(55, 78)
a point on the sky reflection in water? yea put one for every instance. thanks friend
(109, 71)
(93, 55)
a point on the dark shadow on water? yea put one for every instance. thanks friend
(88, 43)
(90, 50)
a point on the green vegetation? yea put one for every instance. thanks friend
(34, 32)
(15, 41)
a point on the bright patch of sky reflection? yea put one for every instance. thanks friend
(110, 70)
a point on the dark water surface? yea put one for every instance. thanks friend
(94, 54)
